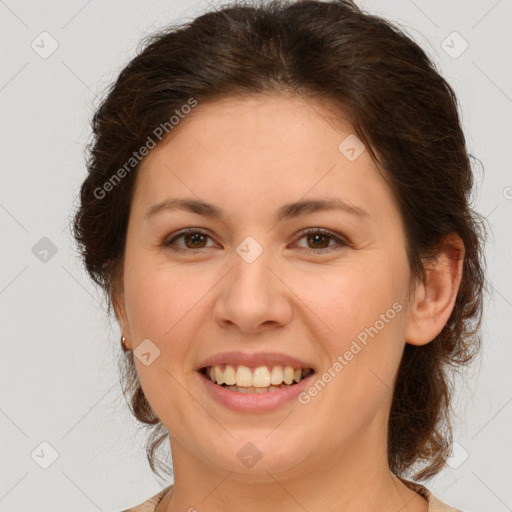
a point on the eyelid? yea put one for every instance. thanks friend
(175, 236)
(340, 240)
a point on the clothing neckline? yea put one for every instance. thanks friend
(434, 504)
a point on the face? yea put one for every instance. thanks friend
(326, 287)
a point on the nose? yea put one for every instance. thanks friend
(253, 295)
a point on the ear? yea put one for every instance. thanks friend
(434, 298)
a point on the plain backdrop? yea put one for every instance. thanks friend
(61, 405)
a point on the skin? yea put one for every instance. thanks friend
(249, 156)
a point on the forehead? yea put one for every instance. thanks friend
(276, 121)
(245, 149)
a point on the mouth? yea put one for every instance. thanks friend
(261, 379)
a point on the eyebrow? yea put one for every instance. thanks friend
(289, 210)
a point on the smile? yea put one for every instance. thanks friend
(261, 379)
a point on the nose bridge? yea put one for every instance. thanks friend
(252, 294)
(252, 278)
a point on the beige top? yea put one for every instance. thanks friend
(434, 504)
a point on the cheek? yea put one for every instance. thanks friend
(159, 298)
(359, 314)
(163, 305)
(350, 298)
(362, 345)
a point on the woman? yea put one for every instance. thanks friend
(277, 207)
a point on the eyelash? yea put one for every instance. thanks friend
(341, 243)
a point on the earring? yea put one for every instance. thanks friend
(123, 345)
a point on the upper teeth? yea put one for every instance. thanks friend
(260, 377)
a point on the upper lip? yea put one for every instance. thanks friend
(256, 359)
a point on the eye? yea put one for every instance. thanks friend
(193, 238)
(196, 239)
(321, 238)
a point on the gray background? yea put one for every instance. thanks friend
(59, 380)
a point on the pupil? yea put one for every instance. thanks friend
(315, 237)
(196, 237)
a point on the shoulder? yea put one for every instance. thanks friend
(434, 504)
(150, 504)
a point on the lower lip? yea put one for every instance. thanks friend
(254, 402)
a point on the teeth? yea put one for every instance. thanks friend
(270, 389)
(243, 377)
(288, 375)
(260, 378)
(219, 375)
(277, 375)
(230, 375)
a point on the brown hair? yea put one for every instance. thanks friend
(405, 113)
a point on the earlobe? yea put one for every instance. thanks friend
(120, 313)
(434, 298)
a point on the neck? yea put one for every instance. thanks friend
(344, 480)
